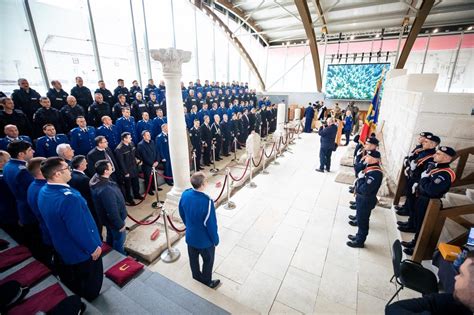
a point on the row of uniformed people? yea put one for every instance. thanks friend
(227, 97)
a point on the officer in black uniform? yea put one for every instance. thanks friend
(366, 187)
(139, 107)
(370, 144)
(47, 115)
(121, 89)
(191, 100)
(106, 94)
(195, 135)
(98, 109)
(226, 135)
(206, 138)
(217, 136)
(134, 89)
(26, 99)
(127, 167)
(70, 112)
(245, 126)
(11, 116)
(82, 94)
(57, 95)
(434, 182)
(146, 152)
(121, 104)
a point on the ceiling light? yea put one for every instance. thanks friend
(288, 43)
(377, 35)
(352, 37)
(435, 31)
(469, 28)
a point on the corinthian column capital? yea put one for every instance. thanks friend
(171, 59)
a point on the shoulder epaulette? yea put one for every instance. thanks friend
(448, 170)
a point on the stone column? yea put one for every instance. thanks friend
(281, 114)
(297, 114)
(171, 60)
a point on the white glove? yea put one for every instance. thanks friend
(413, 188)
(405, 171)
(412, 165)
(425, 174)
(361, 174)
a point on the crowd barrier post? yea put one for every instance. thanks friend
(170, 254)
(229, 204)
(157, 204)
(251, 184)
(275, 162)
(281, 146)
(214, 169)
(194, 161)
(264, 171)
(235, 150)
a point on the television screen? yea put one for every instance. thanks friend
(353, 81)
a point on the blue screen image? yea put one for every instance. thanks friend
(353, 81)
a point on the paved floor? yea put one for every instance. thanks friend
(283, 249)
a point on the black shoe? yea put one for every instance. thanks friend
(151, 193)
(403, 213)
(351, 187)
(207, 164)
(218, 159)
(131, 203)
(351, 190)
(353, 223)
(137, 197)
(226, 155)
(397, 207)
(353, 207)
(200, 168)
(329, 171)
(410, 244)
(160, 189)
(352, 217)
(354, 244)
(402, 223)
(406, 229)
(319, 170)
(214, 284)
(352, 203)
(408, 251)
(351, 237)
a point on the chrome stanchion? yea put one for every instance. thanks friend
(264, 161)
(275, 162)
(229, 204)
(157, 204)
(213, 169)
(235, 150)
(281, 146)
(251, 184)
(194, 161)
(170, 254)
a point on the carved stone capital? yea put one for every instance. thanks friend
(171, 58)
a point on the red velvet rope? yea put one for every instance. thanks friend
(146, 192)
(163, 176)
(173, 226)
(261, 157)
(271, 152)
(245, 171)
(222, 190)
(143, 222)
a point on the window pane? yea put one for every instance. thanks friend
(17, 54)
(205, 47)
(67, 50)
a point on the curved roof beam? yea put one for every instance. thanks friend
(232, 38)
(305, 15)
(244, 16)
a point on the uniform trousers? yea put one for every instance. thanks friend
(116, 239)
(364, 206)
(207, 254)
(225, 146)
(325, 159)
(131, 183)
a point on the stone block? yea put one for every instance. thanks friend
(395, 73)
(447, 103)
(415, 82)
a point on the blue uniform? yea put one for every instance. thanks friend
(5, 141)
(327, 139)
(82, 141)
(163, 149)
(8, 212)
(156, 125)
(46, 146)
(126, 125)
(72, 229)
(143, 125)
(33, 193)
(111, 133)
(366, 189)
(199, 215)
(202, 113)
(18, 180)
(309, 115)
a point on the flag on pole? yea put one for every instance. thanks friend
(372, 116)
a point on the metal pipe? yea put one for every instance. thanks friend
(196, 45)
(398, 45)
(147, 46)
(172, 24)
(426, 52)
(455, 60)
(135, 46)
(229, 204)
(95, 47)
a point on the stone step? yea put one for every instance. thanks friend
(114, 301)
(470, 194)
(456, 200)
(15, 268)
(152, 300)
(182, 296)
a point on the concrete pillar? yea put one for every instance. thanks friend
(281, 115)
(171, 60)
(297, 114)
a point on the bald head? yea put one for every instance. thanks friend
(11, 131)
(71, 101)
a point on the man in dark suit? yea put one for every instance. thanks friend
(327, 135)
(80, 182)
(101, 152)
(146, 152)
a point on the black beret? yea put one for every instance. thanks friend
(448, 150)
(374, 154)
(356, 139)
(373, 140)
(433, 138)
(425, 134)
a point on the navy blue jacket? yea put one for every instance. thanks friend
(109, 202)
(82, 141)
(146, 152)
(57, 99)
(46, 147)
(8, 212)
(72, 229)
(28, 102)
(83, 96)
(107, 95)
(438, 182)
(366, 188)
(5, 141)
(126, 125)
(199, 215)
(111, 134)
(328, 137)
(18, 180)
(32, 198)
(141, 126)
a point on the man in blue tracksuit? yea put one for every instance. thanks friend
(199, 215)
(327, 137)
(72, 229)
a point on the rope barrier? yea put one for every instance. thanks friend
(163, 176)
(242, 144)
(146, 191)
(222, 190)
(173, 226)
(261, 157)
(143, 222)
(271, 152)
(245, 171)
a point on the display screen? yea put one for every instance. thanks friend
(353, 81)
(470, 239)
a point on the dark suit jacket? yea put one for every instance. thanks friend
(80, 182)
(328, 136)
(95, 155)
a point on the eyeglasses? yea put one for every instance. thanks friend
(66, 168)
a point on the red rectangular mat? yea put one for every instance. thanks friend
(42, 301)
(29, 275)
(13, 256)
(105, 248)
(123, 271)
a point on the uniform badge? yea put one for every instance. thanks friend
(369, 181)
(437, 181)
